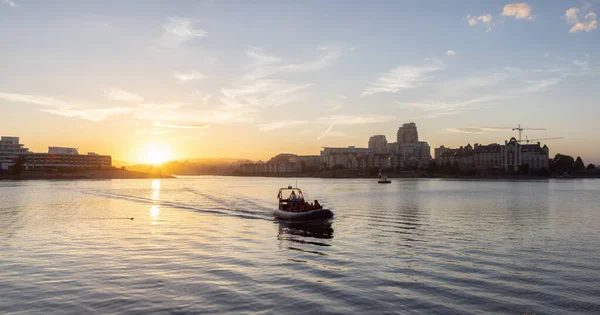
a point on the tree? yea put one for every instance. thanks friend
(562, 163)
(590, 167)
(524, 169)
(579, 165)
(433, 167)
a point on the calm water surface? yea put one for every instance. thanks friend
(210, 245)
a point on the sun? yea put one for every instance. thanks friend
(153, 153)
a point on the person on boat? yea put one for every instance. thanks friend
(317, 205)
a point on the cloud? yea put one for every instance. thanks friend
(181, 126)
(402, 77)
(355, 120)
(485, 19)
(282, 124)
(520, 11)
(176, 31)
(581, 22)
(477, 129)
(581, 63)
(92, 114)
(261, 57)
(344, 97)
(546, 54)
(11, 3)
(260, 94)
(325, 133)
(122, 95)
(65, 108)
(329, 132)
(189, 76)
(264, 65)
(540, 85)
(35, 99)
(451, 52)
(434, 109)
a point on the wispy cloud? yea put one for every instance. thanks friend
(261, 57)
(189, 76)
(35, 99)
(451, 52)
(122, 95)
(264, 64)
(582, 20)
(356, 120)
(282, 124)
(520, 11)
(181, 126)
(402, 77)
(435, 109)
(477, 129)
(177, 31)
(485, 19)
(91, 114)
(11, 3)
(540, 85)
(259, 94)
(66, 108)
(327, 131)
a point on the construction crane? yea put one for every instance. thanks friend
(520, 129)
(527, 140)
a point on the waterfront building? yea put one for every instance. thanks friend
(10, 149)
(407, 151)
(55, 158)
(509, 157)
(408, 133)
(378, 144)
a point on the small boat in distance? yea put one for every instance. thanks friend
(383, 179)
(293, 207)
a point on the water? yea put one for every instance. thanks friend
(210, 245)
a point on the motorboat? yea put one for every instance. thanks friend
(383, 179)
(293, 207)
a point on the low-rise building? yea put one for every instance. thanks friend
(55, 158)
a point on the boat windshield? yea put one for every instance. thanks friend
(289, 193)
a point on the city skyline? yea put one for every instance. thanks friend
(198, 79)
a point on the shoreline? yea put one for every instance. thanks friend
(85, 175)
(415, 175)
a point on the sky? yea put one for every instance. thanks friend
(251, 79)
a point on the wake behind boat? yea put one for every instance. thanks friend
(293, 207)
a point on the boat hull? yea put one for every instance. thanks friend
(312, 215)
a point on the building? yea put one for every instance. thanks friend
(10, 149)
(55, 158)
(510, 157)
(408, 151)
(407, 133)
(378, 144)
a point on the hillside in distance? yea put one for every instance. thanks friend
(194, 166)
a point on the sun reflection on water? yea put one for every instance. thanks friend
(154, 212)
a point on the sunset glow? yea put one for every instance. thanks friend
(155, 154)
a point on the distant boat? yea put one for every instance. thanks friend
(383, 179)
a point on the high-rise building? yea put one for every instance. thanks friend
(408, 133)
(378, 144)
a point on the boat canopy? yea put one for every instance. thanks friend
(284, 193)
